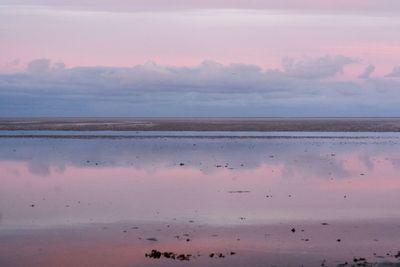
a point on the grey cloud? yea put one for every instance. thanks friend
(44, 66)
(395, 73)
(367, 72)
(38, 66)
(209, 89)
(313, 68)
(13, 63)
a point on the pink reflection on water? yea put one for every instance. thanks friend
(242, 198)
(275, 190)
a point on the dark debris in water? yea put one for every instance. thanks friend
(364, 262)
(239, 192)
(216, 255)
(155, 254)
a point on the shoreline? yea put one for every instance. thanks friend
(203, 124)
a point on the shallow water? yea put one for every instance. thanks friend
(96, 202)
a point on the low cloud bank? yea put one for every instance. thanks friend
(304, 87)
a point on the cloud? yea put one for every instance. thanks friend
(13, 63)
(10, 66)
(395, 73)
(367, 72)
(208, 89)
(313, 68)
(43, 66)
(38, 66)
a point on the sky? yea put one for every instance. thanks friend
(199, 58)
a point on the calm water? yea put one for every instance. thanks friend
(108, 202)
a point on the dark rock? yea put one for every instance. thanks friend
(168, 255)
(155, 254)
(183, 257)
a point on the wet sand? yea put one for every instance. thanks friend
(205, 124)
(196, 244)
(200, 201)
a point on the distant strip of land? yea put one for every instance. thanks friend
(204, 124)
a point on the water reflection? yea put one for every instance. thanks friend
(189, 184)
(78, 181)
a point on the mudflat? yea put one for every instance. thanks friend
(200, 201)
(204, 124)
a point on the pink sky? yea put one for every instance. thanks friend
(93, 33)
(307, 57)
